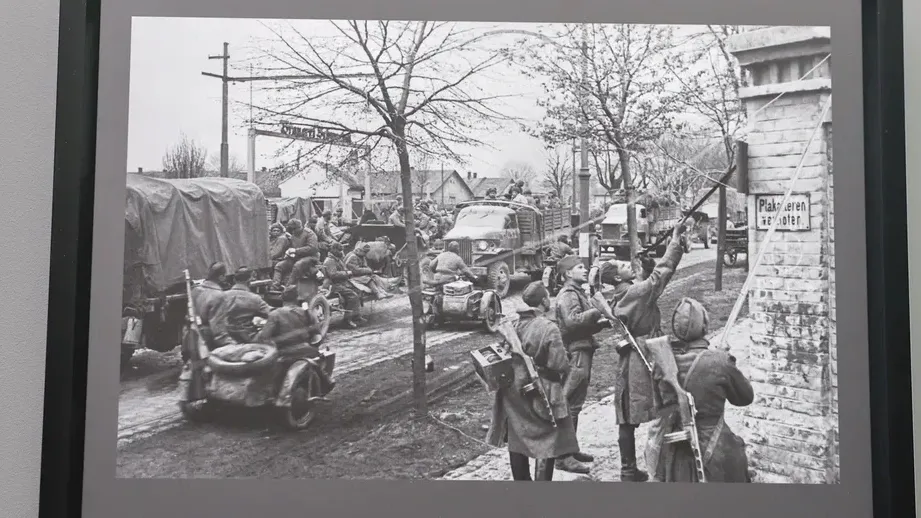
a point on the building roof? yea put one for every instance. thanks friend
(479, 186)
(387, 182)
(270, 181)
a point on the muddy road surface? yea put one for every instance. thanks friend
(370, 405)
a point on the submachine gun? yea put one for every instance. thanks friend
(660, 348)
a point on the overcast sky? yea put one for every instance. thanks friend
(169, 95)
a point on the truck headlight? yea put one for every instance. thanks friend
(482, 246)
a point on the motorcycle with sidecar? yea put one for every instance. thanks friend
(293, 381)
(459, 301)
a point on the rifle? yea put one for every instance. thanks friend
(511, 337)
(194, 321)
(693, 209)
(627, 340)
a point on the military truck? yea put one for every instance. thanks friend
(498, 238)
(173, 225)
(651, 225)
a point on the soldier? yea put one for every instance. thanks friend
(324, 236)
(362, 274)
(578, 322)
(293, 331)
(491, 193)
(560, 249)
(396, 218)
(337, 277)
(712, 379)
(338, 219)
(206, 297)
(278, 243)
(636, 305)
(303, 243)
(448, 266)
(232, 320)
(522, 422)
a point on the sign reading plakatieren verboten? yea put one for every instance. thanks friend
(795, 216)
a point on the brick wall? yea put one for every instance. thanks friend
(792, 426)
(835, 465)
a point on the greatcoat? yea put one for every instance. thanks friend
(524, 422)
(712, 378)
(636, 304)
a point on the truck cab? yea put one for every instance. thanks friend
(499, 238)
(613, 243)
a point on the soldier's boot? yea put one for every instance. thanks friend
(580, 456)
(627, 442)
(571, 465)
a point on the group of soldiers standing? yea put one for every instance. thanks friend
(562, 340)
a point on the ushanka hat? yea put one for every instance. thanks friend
(568, 263)
(690, 320)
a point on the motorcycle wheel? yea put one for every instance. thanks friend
(320, 308)
(301, 413)
(492, 316)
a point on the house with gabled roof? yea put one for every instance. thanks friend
(483, 184)
(445, 187)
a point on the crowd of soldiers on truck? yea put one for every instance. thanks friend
(562, 340)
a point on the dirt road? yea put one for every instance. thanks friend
(372, 367)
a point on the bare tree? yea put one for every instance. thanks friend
(234, 166)
(185, 159)
(709, 79)
(519, 171)
(688, 165)
(557, 175)
(411, 86)
(608, 84)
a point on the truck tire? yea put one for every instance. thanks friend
(499, 278)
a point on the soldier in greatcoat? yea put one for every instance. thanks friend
(712, 379)
(278, 243)
(303, 243)
(293, 331)
(523, 422)
(635, 303)
(206, 297)
(232, 321)
(337, 278)
(579, 321)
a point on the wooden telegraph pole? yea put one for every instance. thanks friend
(225, 151)
(721, 237)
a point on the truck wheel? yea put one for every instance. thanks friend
(499, 278)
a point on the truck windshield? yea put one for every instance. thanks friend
(618, 213)
(482, 217)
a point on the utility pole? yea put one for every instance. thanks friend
(584, 174)
(224, 102)
(572, 199)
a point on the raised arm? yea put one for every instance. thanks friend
(739, 391)
(575, 320)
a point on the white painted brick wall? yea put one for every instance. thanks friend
(791, 428)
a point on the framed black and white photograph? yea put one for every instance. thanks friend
(343, 257)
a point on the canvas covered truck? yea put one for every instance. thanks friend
(173, 225)
(499, 238)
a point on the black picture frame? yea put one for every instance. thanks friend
(71, 258)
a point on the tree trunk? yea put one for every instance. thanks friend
(630, 195)
(413, 281)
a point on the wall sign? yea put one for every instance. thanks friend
(794, 217)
